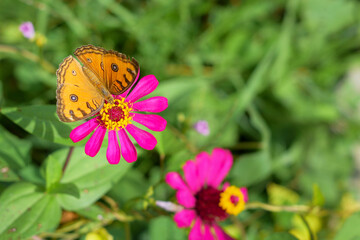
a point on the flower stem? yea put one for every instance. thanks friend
(275, 208)
(28, 55)
(127, 231)
(71, 149)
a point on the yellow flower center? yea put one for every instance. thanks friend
(232, 200)
(117, 115)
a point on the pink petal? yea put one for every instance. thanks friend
(195, 233)
(202, 127)
(221, 235)
(145, 86)
(244, 191)
(83, 130)
(144, 139)
(203, 162)
(153, 104)
(185, 198)
(113, 151)
(92, 147)
(208, 234)
(175, 181)
(151, 121)
(128, 149)
(226, 185)
(27, 29)
(124, 94)
(220, 165)
(191, 176)
(184, 218)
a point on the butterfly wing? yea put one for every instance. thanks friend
(120, 71)
(92, 58)
(114, 69)
(76, 98)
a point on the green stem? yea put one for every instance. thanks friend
(28, 55)
(71, 149)
(275, 208)
(127, 231)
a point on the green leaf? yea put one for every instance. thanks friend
(349, 230)
(65, 188)
(41, 121)
(92, 176)
(53, 172)
(256, 83)
(31, 173)
(6, 174)
(164, 228)
(133, 184)
(14, 151)
(325, 17)
(176, 160)
(251, 168)
(168, 142)
(29, 74)
(179, 88)
(281, 236)
(27, 211)
(93, 212)
(318, 197)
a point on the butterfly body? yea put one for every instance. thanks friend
(82, 90)
(97, 83)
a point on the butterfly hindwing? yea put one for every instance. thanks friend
(76, 98)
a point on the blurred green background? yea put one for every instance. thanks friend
(278, 82)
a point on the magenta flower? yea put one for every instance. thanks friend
(27, 29)
(117, 119)
(202, 127)
(205, 202)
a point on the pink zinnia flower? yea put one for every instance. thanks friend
(27, 29)
(205, 202)
(117, 119)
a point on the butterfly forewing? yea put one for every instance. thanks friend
(120, 72)
(115, 70)
(91, 57)
(76, 98)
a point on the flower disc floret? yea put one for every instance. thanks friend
(207, 205)
(117, 115)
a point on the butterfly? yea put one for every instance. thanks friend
(82, 89)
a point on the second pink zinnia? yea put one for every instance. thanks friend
(204, 199)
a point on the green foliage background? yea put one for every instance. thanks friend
(278, 81)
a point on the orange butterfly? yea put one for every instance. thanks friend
(81, 90)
